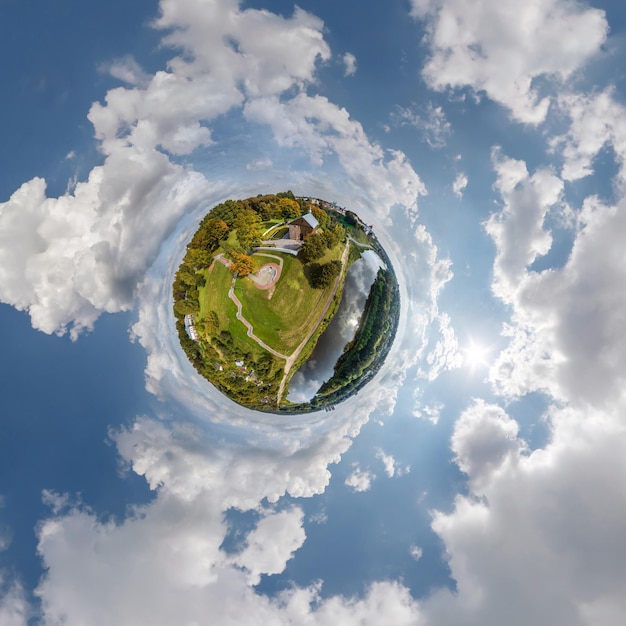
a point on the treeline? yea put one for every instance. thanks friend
(373, 338)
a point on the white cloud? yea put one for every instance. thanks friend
(388, 461)
(518, 229)
(349, 60)
(459, 184)
(564, 335)
(597, 120)
(360, 480)
(391, 465)
(127, 70)
(14, 608)
(503, 47)
(537, 541)
(271, 544)
(445, 354)
(430, 121)
(259, 164)
(66, 260)
(381, 180)
(430, 412)
(416, 552)
(484, 436)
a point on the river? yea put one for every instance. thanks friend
(319, 367)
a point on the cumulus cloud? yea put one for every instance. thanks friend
(272, 543)
(596, 121)
(563, 335)
(518, 228)
(503, 47)
(127, 70)
(540, 543)
(484, 436)
(349, 61)
(68, 259)
(388, 461)
(392, 468)
(360, 480)
(65, 260)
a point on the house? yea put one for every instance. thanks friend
(190, 328)
(302, 227)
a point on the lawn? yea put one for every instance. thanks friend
(283, 318)
(214, 297)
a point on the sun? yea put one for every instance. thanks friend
(475, 355)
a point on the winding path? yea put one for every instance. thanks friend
(291, 359)
(246, 323)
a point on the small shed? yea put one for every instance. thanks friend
(302, 227)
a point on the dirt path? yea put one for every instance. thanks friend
(246, 323)
(291, 359)
(296, 353)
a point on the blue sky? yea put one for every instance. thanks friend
(478, 478)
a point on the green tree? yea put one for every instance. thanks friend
(313, 247)
(323, 276)
(211, 323)
(186, 276)
(320, 215)
(249, 229)
(198, 258)
(186, 307)
(289, 208)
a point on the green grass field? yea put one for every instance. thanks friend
(214, 297)
(282, 318)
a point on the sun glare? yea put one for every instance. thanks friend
(475, 355)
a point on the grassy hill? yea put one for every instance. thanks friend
(249, 354)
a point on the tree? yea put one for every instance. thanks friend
(186, 277)
(248, 226)
(321, 216)
(330, 238)
(198, 258)
(313, 247)
(323, 276)
(209, 235)
(186, 307)
(227, 211)
(242, 263)
(211, 323)
(289, 209)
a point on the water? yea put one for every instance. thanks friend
(319, 368)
